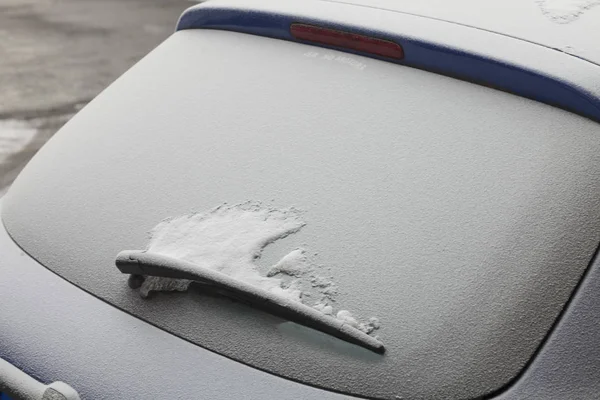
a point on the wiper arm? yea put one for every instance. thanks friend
(138, 262)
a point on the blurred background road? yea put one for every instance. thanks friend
(57, 55)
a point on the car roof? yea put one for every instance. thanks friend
(569, 26)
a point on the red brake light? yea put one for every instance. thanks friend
(362, 43)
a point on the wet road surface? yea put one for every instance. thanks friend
(55, 56)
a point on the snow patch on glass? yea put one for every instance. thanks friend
(230, 239)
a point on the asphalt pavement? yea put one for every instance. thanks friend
(57, 55)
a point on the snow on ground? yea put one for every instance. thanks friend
(14, 137)
(21, 138)
(230, 239)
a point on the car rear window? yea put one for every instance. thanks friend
(453, 218)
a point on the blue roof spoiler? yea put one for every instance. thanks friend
(467, 53)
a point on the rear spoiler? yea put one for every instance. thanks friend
(513, 65)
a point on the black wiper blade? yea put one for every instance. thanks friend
(138, 262)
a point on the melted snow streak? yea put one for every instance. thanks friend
(565, 11)
(231, 238)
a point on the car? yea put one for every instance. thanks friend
(319, 200)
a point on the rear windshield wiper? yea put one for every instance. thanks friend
(138, 262)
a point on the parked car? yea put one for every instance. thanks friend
(317, 200)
